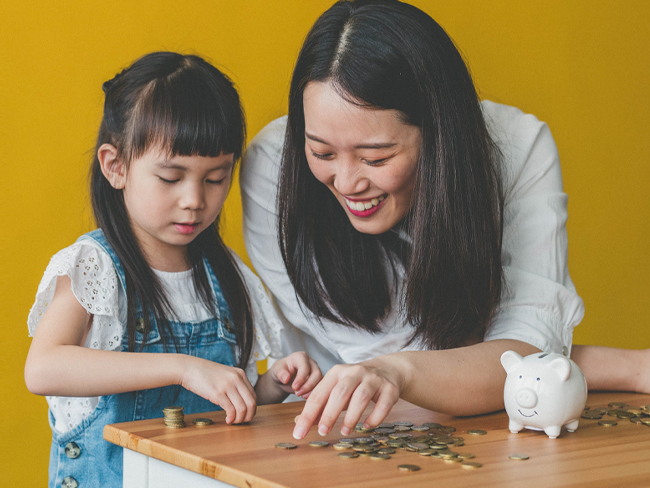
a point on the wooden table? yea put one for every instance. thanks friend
(245, 455)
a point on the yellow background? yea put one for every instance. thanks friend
(582, 66)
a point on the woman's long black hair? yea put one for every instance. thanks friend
(187, 107)
(385, 54)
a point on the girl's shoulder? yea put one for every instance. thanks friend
(93, 279)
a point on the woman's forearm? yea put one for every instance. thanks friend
(463, 381)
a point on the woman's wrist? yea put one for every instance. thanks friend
(397, 368)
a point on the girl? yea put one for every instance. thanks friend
(419, 232)
(152, 309)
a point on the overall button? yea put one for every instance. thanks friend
(139, 325)
(228, 325)
(72, 450)
(69, 482)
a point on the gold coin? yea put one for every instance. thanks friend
(402, 423)
(175, 426)
(477, 432)
(449, 455)
(607, 423)
(465, 455)
(636, 411)
(399, 435)
(402, 428)
(382, 439)
(518, 457)
(418, 445)
(378, 456)
(446, 428)
(591, 415)
(385, 425)
(636, 420)
(348, 455)
(616, 405)
(172, 409)
(625, 415)
(408, 467)
(319, 443)
(347, 441)
(426, 452)
(364, 440)
(431, 425)
(339, 446)
(453, 460)
(386, 450)
(384, 430)
(201, 422)
(471, 465)
(600, 410)
(285, 445)
(420, 428)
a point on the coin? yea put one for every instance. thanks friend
(342, 445)
(378, 456)
(636, 420)
(453, 460)
(418, 445)
(446, 428)
(616, 405)
(348, 455)
(625, 415)
(431, 425)
(607, 423)
(285, 445)
(518, 457)
(427, 452)
(477, 432)
(420, 428)
(592, 415)
(347, 441)
(403, 423)
(402, 428)
(385, 425)
(408, 467)
(384, 430)
(471, 465)
(386, 450)
(319, 443)
(201, 422)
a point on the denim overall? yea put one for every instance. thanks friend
(81, 457)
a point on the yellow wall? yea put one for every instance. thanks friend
(582, 66)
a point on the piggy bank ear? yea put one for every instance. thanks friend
(562, 367)
(510, 359)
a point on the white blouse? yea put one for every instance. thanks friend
(539, 304)
(96, 286)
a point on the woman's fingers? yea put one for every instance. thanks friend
(314, 405)
(388, 396)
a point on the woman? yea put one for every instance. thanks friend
(421, 233)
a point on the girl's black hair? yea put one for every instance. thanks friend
(390, 55)
(187, 107)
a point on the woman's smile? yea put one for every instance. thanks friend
(364, 208)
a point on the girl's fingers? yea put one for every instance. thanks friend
(314, 378)
(239, 404)
(231, 413)
(250, 399)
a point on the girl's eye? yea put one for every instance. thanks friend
(215, 182)
(167, 181)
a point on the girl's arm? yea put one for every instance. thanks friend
(58, 364)
(297, 374)
(463, 381)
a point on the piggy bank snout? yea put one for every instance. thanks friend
(526, 398)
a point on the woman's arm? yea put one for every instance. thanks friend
(463, 381)
(58, 364)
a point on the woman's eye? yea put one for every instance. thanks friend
(321, 155)
(374, 162)
(215, 182)
(167, 181)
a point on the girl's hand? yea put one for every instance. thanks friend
(351, 387)
(223, 385)
(296, 373)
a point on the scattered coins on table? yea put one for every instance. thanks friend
(433, 440)
(286, 445)
(174, 417)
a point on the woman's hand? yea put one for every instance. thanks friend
(296, 373)
(223, 385)
(352, 387)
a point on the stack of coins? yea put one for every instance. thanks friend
(174, 417)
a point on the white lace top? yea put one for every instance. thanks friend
(97, 288)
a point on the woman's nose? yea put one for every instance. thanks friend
(349, 178)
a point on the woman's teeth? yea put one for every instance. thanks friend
(360, 206)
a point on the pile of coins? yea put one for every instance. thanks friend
(174, 417)
(637, 415)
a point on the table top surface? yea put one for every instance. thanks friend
(245, 455)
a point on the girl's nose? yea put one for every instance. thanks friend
(193, 197)
(349, 178)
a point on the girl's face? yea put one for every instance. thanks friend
(170, 201)
(366, 157)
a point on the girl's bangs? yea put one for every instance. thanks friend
(183, 115)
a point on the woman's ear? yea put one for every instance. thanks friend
(112, 166)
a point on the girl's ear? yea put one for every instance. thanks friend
(113, 167)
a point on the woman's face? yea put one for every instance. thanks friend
(366, 157)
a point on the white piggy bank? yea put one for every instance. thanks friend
(543, 392)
